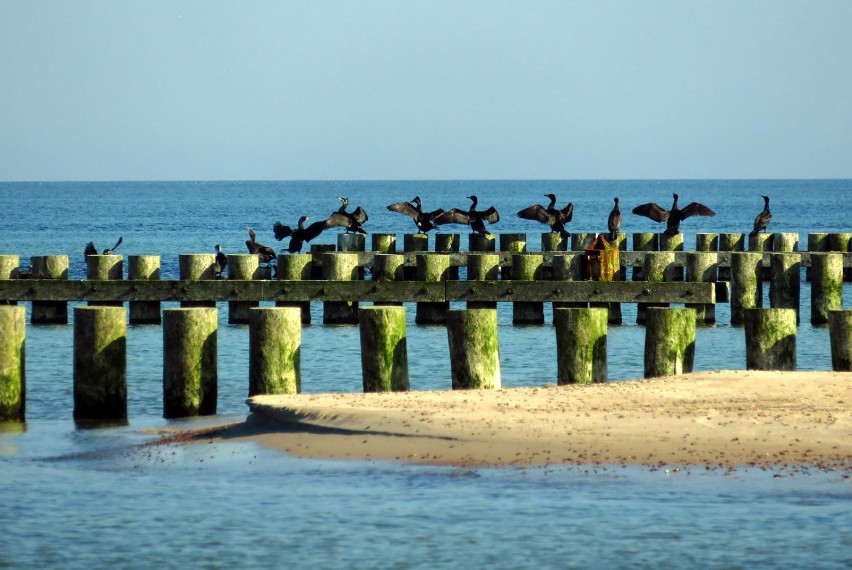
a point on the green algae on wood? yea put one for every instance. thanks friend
(474, 349)
(669, 341)
(384, 349)
(100, 363)
(190, 373)
(581, 335)
(13, 384)
(275, 345)
(770, 338)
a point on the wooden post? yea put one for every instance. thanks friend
(817, 243)
(614, 315)
(242, 267)
(707, 242)
(785, 242)
(296, 267)
(388, 267)
(826, 286)
(701, 267)
(190, 375)
(658, 266)
(384, 243)
(841, 242)
(512, 243)
(449, 243)
(580, 241)
(340, 267)
(554, 241)
(432, 267)
(770, 336)
(527, 267)
(105, 268)
(746, 284)
(413, 243)
(13, 383)
(49, 267)
(840, 326)
(580, 345)
(275, 345)
(481, 242)
(384, 352)
(474, 348)
(673, 243)
(646, 241)
(100, 363)
(730, 243)
(317, 251)
(568, 267)
(144, 268)
(483, 267)
(761, 243)
(669, 341)
(197, 267)
(9, 265)
(785, 281)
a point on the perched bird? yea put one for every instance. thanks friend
(473, 217)
(762, 220)
(551, 216)
(613, 223)
(672, 217)
(299, 235)
(221, 261)
(266, 253)
(351, 221)
(92, 250)
(414, 209)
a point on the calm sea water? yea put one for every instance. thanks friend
(94, 498)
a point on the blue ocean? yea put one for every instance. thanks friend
(99, 498)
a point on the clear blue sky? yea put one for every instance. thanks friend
(278, 89)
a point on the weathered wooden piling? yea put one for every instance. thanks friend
(190, 373)
(481, 242)
(296, 267)
(9, 265)
(762, 243)
(658, 266)
(580, 241)
(669, 341)
(527, 267)
(580, 345)
(197, 267)
(384, 243)
(340, 267)
(645, 241)
(104, 268)
(100, 363)
(449, 243)
(826, 285)
(242, 267)
(317, 251)
(13, 383)
(785, 281)
(840, 333)
(384, 349)
(568, 267)
(483, 267)
(49, 267)
(511, 243)
(474, 349)
(701, 267)
(614, 315)
(785, 242)
(841, 242)
(144, 268)
(770, 336)
(746, 284)
(673, 243)
(707, 242)
(432, 267)
(730, 243)
(275, 345)
(388, 267)
(412, 243)
(817, 242)
(555, 241)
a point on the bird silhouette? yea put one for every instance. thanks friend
(414, 209)
(92, 250)
(613, 223)
(762, 220)
(221, 262)
(266, 253)
(351, 221)
(550, 215)
(672, 217)
(300, 234)
(472, 217)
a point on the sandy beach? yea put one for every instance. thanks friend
(720, 419)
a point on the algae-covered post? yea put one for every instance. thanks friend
(449, 243)
(841, 242)
(580, 345)
(483, 267)
(669, 341)
(144, 268)
(568, 267)
(645, 241)
(244, 267)
(770, 336)
(673, 243)
(746, 284)
(197, 267)
(340, 267)
(784, 281)
(384, 349)
(13, 331)
(701, 268)
(826, 286)
(555, 241)
(840, 332)
(730, 243)
(481, 242)
(527, 267)
(9, 265)
(511, 243)
(659, 266)
(275, 345)
(49, 267)
(412, 243)
(432, 267)
(104, 268)
(100, 363)
(474, 349)
(817, 243)
(190, 373)
(296, 267)
(384, 243)
(707, 242)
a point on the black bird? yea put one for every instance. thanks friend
(92, 250)
(351, 221)
(551, 216)
(762, 220)
(672, 217)
(221, 261)
(414, 209)
(299, 235)
(266, 253)
(613, 223)
(473, 217)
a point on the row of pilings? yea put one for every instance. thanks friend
(190, 378)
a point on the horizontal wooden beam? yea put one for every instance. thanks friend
(399, 291)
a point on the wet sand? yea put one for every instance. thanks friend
(720, 419)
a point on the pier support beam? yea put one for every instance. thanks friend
(474, 349)
(730, 243)
(527, 267)
(190, 374)
(701, 268)
(669, 341)
(785, 281)
(432, 267)
(826, 286)
(340, 267)
(9, 265)
(746, 284)
(840, 332)
(275, 345)
(770, 336)
(388, 267)
(384, 243)
(49, 267)
(483, 267)
(659, 266)
(580, 345)
(13, 385)
(242, 266)
(197, 267)
(144, 268)
(384, 349)
(296, 267)
(100, 363)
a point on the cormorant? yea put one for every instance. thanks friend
(414, 209)
(350, 221)
(266, 253)
(672, 217)
(299, 235)
(762, 220)
(92, 250)
(551, 216)
(474, 218)
(613, 223)
(221, 261)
